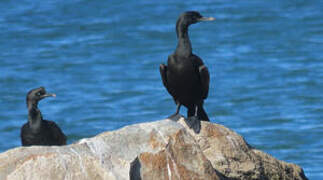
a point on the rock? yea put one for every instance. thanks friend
(158, 150)
(181, 158)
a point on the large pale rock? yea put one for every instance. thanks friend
(159, 150)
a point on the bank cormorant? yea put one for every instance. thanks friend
(38, 131)
(185, 77)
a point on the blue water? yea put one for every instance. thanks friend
(102, 60)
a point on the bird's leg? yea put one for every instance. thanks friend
(193, 121)
(173, 116)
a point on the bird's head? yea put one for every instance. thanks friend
(192, 17)
(35, 95)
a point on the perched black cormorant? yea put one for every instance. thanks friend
(38, 131)
(185, 77)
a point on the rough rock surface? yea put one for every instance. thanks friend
(158, 150)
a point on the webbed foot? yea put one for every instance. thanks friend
(194, 123)
(175, 117)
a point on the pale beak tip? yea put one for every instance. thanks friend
(207, 19)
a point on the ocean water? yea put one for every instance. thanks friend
(102, 60)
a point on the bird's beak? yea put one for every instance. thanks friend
(48, 95)
(207, 19)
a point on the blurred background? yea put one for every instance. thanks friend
(102, 60)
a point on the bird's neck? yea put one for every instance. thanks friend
(184, 47)
(34, 117)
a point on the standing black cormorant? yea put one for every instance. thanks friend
(185, 77)
(38, 131)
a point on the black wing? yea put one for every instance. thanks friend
(58, 136)
(204, 75)
(25, 136)
(205, 80)
(163, 74)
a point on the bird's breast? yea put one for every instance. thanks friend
(183, 81)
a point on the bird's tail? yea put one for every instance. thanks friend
(201, 114)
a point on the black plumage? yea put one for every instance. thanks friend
(38, 131)
(186, 77)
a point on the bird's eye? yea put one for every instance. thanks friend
(38, 94)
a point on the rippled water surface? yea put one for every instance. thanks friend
(101, 58)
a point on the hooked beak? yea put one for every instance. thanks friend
(48, 95)
(207, 19)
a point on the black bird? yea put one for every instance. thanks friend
(38, 131)
(185, 77)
